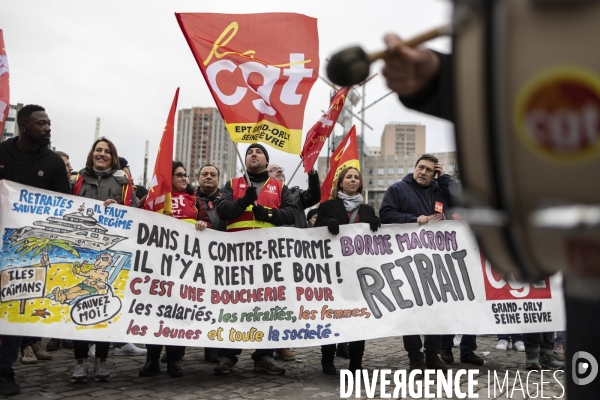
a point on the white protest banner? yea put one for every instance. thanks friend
(72, 268)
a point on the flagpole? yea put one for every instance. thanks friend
(242, 161)
(294, 174)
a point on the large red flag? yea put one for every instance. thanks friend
(346, 155)
(159, 196)
(316, 136)
(259, 69)
(4, 89)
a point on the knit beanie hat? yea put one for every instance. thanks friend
(258, 146)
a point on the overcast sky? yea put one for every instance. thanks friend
(122, 61)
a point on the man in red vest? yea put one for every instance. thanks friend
(261, 203)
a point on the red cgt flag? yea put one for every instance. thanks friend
(316, 136)
(159, 196)
(4, 89)
(346, 155)
(259, 69)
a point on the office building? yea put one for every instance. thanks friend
(10, 129)
(201, 139)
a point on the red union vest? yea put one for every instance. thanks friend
(184, 206)
(269, 197)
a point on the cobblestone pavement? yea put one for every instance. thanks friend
(303, 379)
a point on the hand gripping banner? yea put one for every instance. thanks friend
(71, 268)
(259, 69)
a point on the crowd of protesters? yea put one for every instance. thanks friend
(238, 205)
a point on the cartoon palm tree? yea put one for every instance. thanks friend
(42, 247)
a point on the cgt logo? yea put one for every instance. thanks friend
(498, 288)
(584, 368)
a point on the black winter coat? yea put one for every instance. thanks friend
(45, 171)
(305, 199)
(227, 208)
(406, 200)
(335, 209)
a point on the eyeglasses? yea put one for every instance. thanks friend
(180, 175)
(273, 170)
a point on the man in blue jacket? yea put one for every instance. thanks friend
(418, 197)
(421, 198)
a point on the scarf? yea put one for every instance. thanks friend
(351, 202)
(212, 197)
(261, 177)
(100, 174)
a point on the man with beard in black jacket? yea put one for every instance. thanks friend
(263, 202)
(26, 159)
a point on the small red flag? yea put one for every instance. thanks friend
(159, 196)
(346, 155)
(316, 136)
(4, 89)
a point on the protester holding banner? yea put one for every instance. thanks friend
(188, 207)
(420, 198)
(261, 203)
(208, 191)
(346, 207)
(101, 179)
(274, 207)
(27, 159)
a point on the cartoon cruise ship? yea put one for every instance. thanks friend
(77, 228)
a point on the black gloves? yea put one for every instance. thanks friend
(333, 226)
(374, 224)
(263, 214)
(249, 197)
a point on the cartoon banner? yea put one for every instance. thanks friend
(71, 268)
(259, 69)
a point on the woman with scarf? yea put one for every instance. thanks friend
(101, 179)
(187, 207)
(346, 207)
